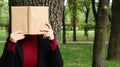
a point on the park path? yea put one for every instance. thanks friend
(70, 42)
(2, 41)
(78, 42)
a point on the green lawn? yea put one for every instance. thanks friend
(69, 35)
(1, 48)
(74, 55)
(80, 55)
(77, 55)
(80, 36)
(3, 34)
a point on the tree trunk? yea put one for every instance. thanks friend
(100, 34)
(73, 8)
(55, 11)
(86, 22)
(74, 19)
(64, 27)
(114, 42)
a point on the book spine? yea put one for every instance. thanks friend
(28, 19)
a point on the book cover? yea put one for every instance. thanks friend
(29, 19)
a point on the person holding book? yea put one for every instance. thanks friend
(31, 50)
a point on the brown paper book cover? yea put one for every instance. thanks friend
(29, 19)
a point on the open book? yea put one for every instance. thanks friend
(29, 19)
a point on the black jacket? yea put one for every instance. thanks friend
(46, 57)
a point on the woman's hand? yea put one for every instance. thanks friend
(15, 36)
(48, 33)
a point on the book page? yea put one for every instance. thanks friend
(38, 17)
(19, 19)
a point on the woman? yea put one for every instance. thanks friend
(31, 50)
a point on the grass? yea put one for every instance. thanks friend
(1, 48)
(74, 55)
(80, 55)
(69, 35)
(3, 34)
(80, 36)
(77, 55)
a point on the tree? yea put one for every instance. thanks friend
(87, 5)
(85, 8)
(114, 42)
(73, 7)
(101, 17)
(64, 27)
(55, 11)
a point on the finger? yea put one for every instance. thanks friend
(49, 26)
(46, 35)
(20, 37)
(44, 30)
(18, 32)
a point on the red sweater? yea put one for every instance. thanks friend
(30, 50)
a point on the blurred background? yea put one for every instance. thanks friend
(88, 36)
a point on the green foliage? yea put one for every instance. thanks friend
(82, 6)
(4, 16)
(89, 26)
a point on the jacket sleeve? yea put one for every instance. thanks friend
(8, 57)
(55, 58)
(11, 46)
(53, 44)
